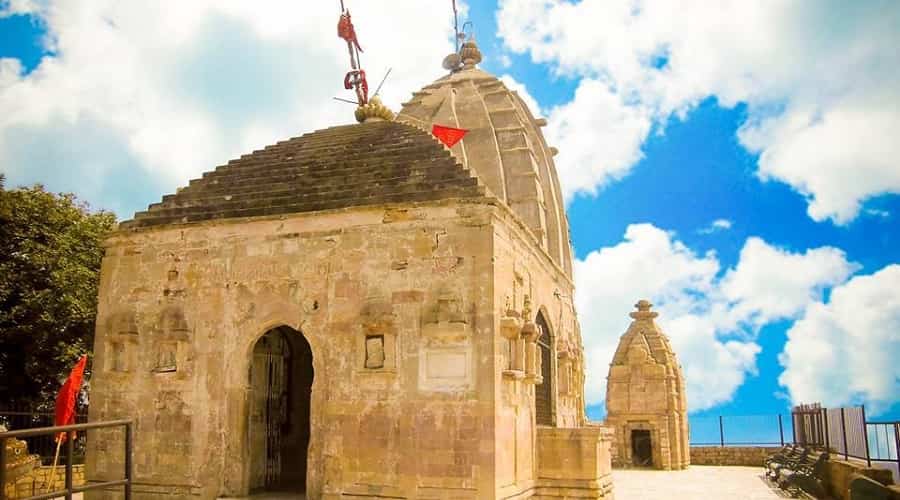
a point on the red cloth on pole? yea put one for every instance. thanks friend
(347, 31)
(448, 135)
(67, 397)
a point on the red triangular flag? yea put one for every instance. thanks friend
(448, 135)
(65, 400)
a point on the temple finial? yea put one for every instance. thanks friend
(470, 54)
(374, 110)
(643, 310)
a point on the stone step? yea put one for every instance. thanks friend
(148, 219)
(287, 190)
(297, 197)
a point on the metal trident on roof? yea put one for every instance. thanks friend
(356, 77)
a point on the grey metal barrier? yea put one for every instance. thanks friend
(70, 430)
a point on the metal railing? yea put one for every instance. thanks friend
(884, 445)
(28, 417)
(70, 430)
(842, 430)
(739, 430)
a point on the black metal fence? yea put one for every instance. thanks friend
(22, 417)
(840, 429)
(884, 445)
(740, 430)
(847, 432)
(69, 455)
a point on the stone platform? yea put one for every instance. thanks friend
(696, 483)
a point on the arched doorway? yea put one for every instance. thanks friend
(543, 393)
(281, 376)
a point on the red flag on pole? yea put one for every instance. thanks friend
(65, 400)
(448, 135)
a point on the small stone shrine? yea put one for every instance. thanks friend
(358, 312)
(645, 398)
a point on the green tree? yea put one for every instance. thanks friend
(50, 252)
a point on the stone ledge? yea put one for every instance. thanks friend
(731, 455)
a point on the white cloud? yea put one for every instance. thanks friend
(845, 351)
(712, 318)
(174, 92)
(821, 80)
(769, 283)
(617, 128)
(716, 225)
(599, 137)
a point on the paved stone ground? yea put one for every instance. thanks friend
(698, 482)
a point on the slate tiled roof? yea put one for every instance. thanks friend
(347, 166)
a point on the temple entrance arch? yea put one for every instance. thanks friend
(543, 393)
(278, 431)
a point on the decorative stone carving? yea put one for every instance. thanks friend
(530, 335)
(511, 329)
(445, 322)
(121, 345)
(172, 339)
(18, 462)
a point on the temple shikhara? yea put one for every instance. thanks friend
(645, 398)
(358, 312)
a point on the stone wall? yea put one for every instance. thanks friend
(35, 483)
(731, 455)
(841, 472)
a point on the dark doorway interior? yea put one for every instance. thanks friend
(281, 376)
(543, 393)
(641, 448)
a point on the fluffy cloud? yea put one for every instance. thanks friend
(845, 351)
(596, 120)
(711, 316)
(821, 80)
(166, 93)
(769, 283)
(616, 128)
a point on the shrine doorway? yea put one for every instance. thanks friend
(641, 448)
(281, 377)
(543, 393)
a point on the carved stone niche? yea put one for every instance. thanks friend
(378, 343)
(172, 338)
(445, 322)
(446, 354)
(121, 341)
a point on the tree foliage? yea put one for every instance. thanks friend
(50, 252)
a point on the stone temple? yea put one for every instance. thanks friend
(645, 398)
(358, 312)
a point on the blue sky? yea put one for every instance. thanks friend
(664, 129)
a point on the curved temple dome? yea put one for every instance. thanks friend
(504, 146)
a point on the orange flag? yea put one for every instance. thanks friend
(65, 400)
(448, 135)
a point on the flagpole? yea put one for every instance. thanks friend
(52, 479)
